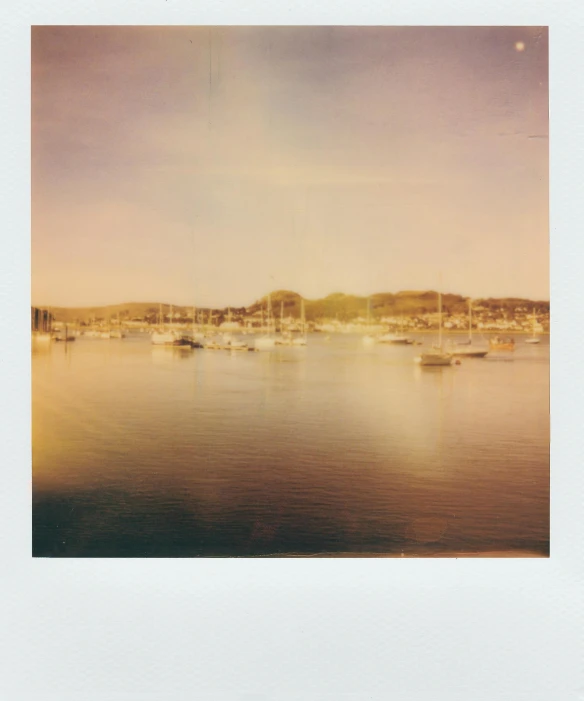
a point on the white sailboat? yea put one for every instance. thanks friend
(437, 355)
(163, 336)
(395, 338)
(301, 340)
(284, 339)
(117, 332)
(465, 349)
(533, 339)
(268, 341)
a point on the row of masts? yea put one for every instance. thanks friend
(210, 319)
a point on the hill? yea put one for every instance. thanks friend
(338, 305)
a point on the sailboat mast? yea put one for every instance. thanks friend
(469, 320)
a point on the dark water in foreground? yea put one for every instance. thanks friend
(334, 448)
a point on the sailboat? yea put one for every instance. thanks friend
(301, 340)
(465, 349)
(117, 333)
(437, 355)
(167, 337)
(396, 338)
(105, 333)
(284, 339)
(533, 338)
(268, 341)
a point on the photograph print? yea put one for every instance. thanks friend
(290, 292)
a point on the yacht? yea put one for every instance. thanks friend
(533, 339)
(465, 349)
(437, 355)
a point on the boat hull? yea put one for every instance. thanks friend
(395, 340)
(163, 339)
(469, 353)
(502, 346)
(436, 359)
(265, 343)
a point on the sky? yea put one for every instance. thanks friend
(210, 165)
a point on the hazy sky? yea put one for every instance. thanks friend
(210, 165)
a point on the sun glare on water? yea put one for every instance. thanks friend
(519, 46)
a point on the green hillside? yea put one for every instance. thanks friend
(338, 305)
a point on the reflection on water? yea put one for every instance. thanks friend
(334, 448)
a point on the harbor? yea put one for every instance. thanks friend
(290, 292)
(333, 448)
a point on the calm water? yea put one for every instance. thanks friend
(334, 448)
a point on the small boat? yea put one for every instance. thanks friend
(395, 339)
(236, 346)
(498, 343)
(533, 339)
(301, 340)
(465, 349)
(284, 339)
(229, 343)
(468, 352)
(267, 342)
(163, 338)
(437, 356)
(64, 339)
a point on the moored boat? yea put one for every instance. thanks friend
(163, 338)
(267, 342)
(498, 343)
(465, 349)
(533, 339)
(437, 356)
(395, 339)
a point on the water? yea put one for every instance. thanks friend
(332, 449)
